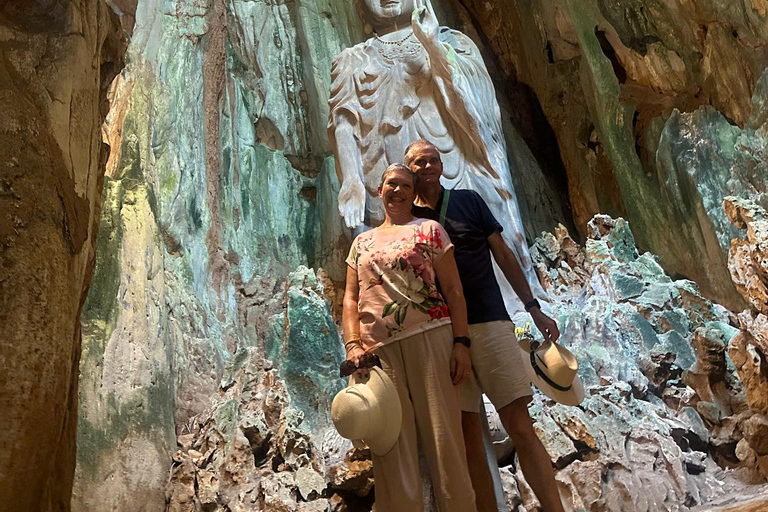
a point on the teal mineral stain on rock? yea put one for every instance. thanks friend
(658, 295)
(622, 242)
(237, 362)
(650, 269)
(597, 251)
(700, 147)
(226, 416)
(304, 345)
(672, 342)
(728, 331)
(678, 320)
(647, 332)
(627, 286)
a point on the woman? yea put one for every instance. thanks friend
(392, 308)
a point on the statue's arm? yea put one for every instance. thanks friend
(343, 135)
(467, 98)
(349, 167)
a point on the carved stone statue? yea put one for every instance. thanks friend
(414, 79)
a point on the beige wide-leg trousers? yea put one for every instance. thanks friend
(419, 366)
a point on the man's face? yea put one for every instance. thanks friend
(389, 10)
(426, 164)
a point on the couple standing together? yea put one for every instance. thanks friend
(422, 295)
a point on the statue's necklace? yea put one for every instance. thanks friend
(398, 43)
(396, 50)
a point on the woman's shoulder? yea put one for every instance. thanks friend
(426, 224)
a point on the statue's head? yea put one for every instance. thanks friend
(385, 13)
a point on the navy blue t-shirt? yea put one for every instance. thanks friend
(469, 222)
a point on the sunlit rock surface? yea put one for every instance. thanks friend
(218, 188)
(748, 261)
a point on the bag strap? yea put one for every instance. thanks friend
(444, 209)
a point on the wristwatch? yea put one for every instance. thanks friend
(463, 340)
(532, 304)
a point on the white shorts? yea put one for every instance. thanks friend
(497, 367)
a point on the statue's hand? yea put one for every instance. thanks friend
(352, 203)
(424, 22)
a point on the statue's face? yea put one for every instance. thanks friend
(383, 12)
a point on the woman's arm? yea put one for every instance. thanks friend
(350, 318)
(448, 275)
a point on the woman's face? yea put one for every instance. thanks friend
(397, 191)
(387, 12)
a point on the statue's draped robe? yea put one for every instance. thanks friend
(393, 100)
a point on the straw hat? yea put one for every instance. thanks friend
(369, 413)
(554, 370)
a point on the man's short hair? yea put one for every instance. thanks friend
(394, 167)
(408, 159)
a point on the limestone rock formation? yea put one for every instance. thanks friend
(218, 188)
(655, 108)
(748, 262)
(247, 451)
(58, 59)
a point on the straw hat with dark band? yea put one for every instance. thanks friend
(554, 370)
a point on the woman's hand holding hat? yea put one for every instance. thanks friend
(355, 354)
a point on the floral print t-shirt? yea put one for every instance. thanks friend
(396, 275)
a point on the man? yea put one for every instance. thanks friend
(496, 359)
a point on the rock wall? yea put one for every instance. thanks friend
(218, 189)
(661, 399)
(748, 262)
(58, 59)
(656, 110)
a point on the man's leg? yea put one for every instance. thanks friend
(534, 459)
(499, 367)
(471, 423)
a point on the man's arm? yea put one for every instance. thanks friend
(508, 264)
